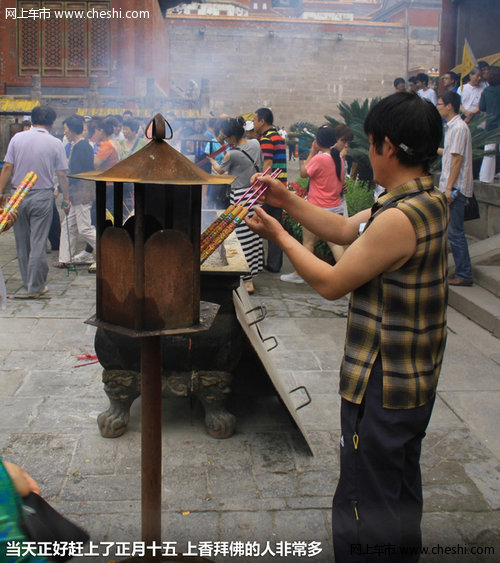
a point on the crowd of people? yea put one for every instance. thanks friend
(235, 146)
(479, 93)
(391, 258)
(458, 103)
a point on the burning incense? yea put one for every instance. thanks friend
(229, 211)
(222, 236)
(218, 224)
(213, 231)
(227, 225)
(17, 198)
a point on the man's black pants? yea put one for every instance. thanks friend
(274, 253)
(377, 507)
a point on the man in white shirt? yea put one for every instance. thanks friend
(456, 182)
(38, 151)
(423, 88)
(471, 94)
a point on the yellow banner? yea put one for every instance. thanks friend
(468, 60)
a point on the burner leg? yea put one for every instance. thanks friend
(122, 388)
(212, 388)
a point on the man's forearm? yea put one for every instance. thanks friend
(63, 184)
(268, 163)
(455, 166)
(326, 225)
(5, 176)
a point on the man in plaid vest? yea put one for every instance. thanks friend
(395, 269)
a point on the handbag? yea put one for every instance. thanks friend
(42, 523)
(471, 209)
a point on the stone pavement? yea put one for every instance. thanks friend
(262, 484)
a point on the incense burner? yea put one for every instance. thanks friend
(201, 365)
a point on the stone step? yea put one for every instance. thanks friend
(488, 277)
(478, 304)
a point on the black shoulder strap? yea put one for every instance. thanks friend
(249, 157)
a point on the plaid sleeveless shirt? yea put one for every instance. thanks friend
(401, 315)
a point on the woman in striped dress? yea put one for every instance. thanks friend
(243, 160)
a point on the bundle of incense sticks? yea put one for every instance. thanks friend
(226, 216)
(231, 218)
(16, 198)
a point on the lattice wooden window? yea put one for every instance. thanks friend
(29, 42)
(64, 47)
(99, 41)
(76, 43)
(53, 35)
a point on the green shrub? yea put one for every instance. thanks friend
(359, 196)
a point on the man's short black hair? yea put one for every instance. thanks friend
(412, 79)
(450, 97)
(399, 80)
(422, 77)
(43, 115)
(483, 64)
(266, 114)
(75, 124)
(454, 76)
(411, 123)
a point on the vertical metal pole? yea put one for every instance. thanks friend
(100, 201)
(151, 441)
(118, 204)
(139, 236)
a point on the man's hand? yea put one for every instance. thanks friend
(66, 206)
(264, 225)
(11, 219)
(276, 194)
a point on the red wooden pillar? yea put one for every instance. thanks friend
(448, 36)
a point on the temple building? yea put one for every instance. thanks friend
(192, 59)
